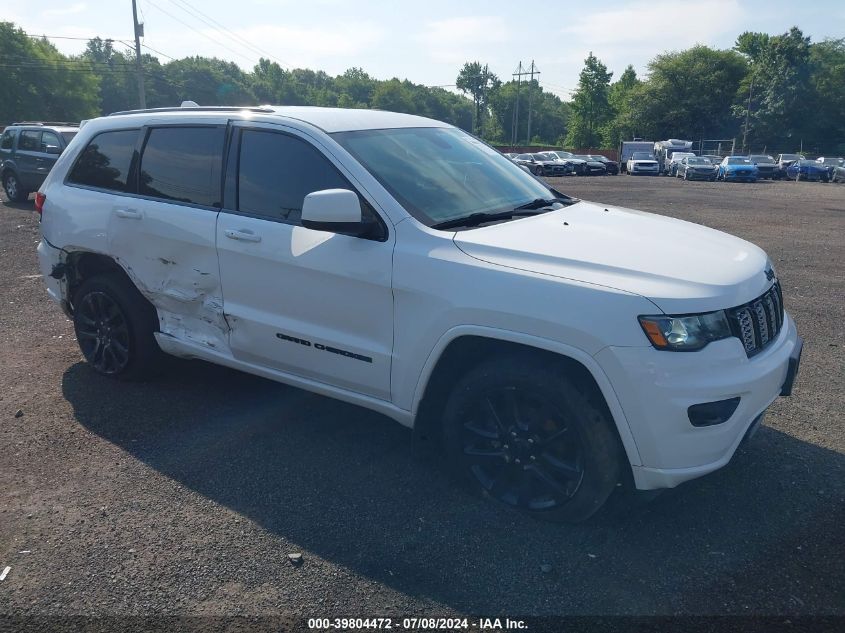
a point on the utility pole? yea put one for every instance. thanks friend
(139, 31)
(531, 94)
(748, 109)
(515, 122)
(481, 108)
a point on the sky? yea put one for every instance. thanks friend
(427, 42)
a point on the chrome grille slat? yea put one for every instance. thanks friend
(758, 322)
(763, 327)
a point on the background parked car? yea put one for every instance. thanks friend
(643, 163)
(767, 166)
(785, 160)
(838, 174)
(579, 166)
(671, 166)
(696, 168)
(542, 164)
(807, 170)
(28, 152)
(831, 163)
(592, 166)
(737, 168)
(611, 166)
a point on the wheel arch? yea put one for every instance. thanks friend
(463, 347)
(80, 265)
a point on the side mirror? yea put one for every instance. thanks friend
(53, 149)
(334, 211)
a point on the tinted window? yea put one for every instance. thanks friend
(105, 161)
(277, 171)
(183, 164)
(29, 140)
(6, 142)
(48, 138)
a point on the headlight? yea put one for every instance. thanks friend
(685, 333)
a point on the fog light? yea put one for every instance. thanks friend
(710, 413)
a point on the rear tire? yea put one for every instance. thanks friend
(115, 328)
(14, 191)
(517, 429)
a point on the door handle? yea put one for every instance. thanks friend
(242, 235)
(129, 214)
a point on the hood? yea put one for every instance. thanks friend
(680, 266)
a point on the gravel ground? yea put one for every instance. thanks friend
(184, 496)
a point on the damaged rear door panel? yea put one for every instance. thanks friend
(164, 237)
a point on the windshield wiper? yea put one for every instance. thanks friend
(538, 203)
(475, 219)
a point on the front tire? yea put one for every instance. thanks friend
(14, 191)
(115, 328)
(518, 429)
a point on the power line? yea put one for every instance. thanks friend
(205, 35)
(220, 28)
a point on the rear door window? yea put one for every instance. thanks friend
(183, 164)
(29, 141)
(105, 162)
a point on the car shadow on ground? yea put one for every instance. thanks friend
(348, 485)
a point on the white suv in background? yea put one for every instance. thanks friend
(554, 346)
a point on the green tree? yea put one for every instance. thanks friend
(622, 97)
(39, 82)
(779, 85)
(590, 106)
(477, 81)
(689, 94)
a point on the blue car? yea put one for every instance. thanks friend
(808, 170)
(737, 168)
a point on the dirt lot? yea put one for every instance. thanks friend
(184, 496)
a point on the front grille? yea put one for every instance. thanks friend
(757, 323)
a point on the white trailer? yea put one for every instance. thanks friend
(629, 147)
(663, 151)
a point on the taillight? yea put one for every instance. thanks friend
(40, 198)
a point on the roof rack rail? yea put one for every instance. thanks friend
(196, 109)
(53, 123)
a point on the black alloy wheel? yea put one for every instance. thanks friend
(115, 327)
(522, 451)
(518, 431)
(103, 333)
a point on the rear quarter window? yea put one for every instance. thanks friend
(106, 160)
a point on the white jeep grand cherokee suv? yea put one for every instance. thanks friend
(556, 347)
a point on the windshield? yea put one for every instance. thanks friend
(696, 160)
(736, 160)
(439, 174)
(641, 156)
(790, 157)
(68, 135)
(542, 157)
(763, 159)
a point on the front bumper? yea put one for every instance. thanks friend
(656, 388)
(740, 175)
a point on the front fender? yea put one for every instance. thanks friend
(556, 347)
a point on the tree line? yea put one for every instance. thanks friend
(774, 91)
